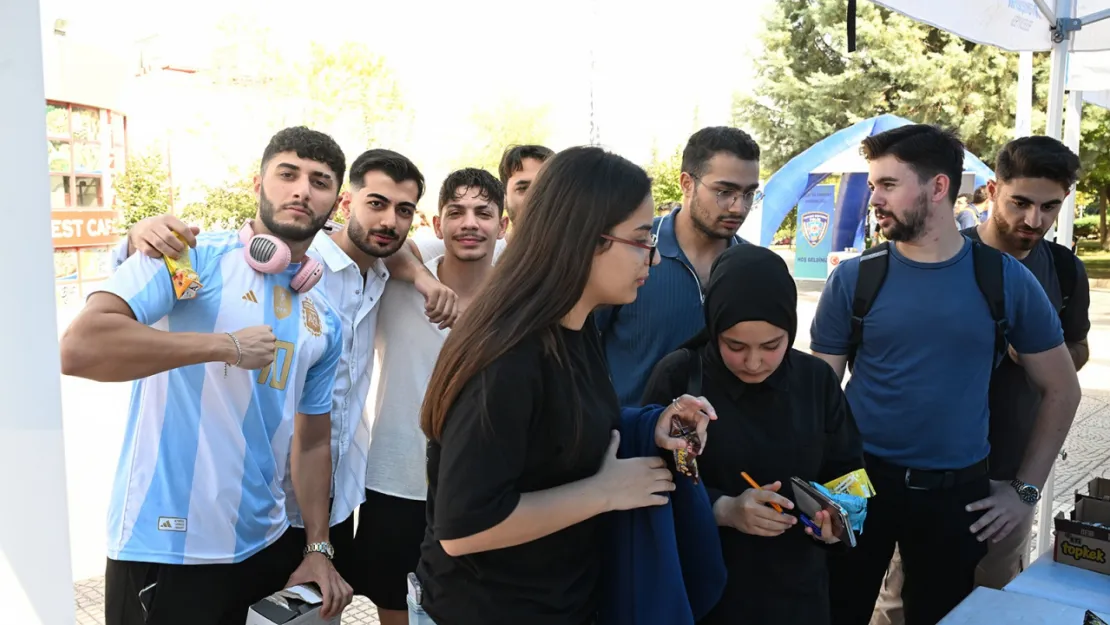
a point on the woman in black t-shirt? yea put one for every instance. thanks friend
(520, 409)
(782, 414)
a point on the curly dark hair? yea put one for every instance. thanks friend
(309, 144)
(472, 178)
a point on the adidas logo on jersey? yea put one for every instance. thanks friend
(249, 296)
(172, 524)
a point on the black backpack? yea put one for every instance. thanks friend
(988, 275)
(1066, 273)
(872, 273)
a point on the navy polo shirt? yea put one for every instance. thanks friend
(667, 312)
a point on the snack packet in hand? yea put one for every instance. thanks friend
(854, 505)
(855, 483)
(186, 282)
(685, 460)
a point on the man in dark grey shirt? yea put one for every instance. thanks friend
(1033, 177)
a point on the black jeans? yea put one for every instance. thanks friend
(939, 552)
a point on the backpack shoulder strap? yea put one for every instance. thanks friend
(694, 373)
(989, 277)
(872, 272)
(1066, 273)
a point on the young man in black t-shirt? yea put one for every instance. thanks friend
(1033, 177)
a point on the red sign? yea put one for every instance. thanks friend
(76, 228)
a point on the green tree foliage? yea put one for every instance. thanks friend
(227, 205)
(494, 129)
(665, 172)
(351, 88)
(809, 86)
(1094, 153)
(143, 190)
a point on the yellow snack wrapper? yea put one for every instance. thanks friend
(855, 483)
(186, 283)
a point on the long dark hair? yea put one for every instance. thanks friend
(578, 195)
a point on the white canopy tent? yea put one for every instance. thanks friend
(1079, 29)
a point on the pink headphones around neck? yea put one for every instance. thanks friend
(269, 254)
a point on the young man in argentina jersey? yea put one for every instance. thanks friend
(233, 385)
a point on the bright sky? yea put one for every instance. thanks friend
(657, 63)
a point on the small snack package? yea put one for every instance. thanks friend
(855, 483)
(186, 283)
(685, 460)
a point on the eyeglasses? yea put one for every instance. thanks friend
(650, 247)
(727, 198)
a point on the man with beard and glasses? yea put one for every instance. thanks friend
(228, 434)
(379, 205)
(720, 176)
(1033, 177)
(391, 522)
(919, 386)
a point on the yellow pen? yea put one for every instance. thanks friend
(747, 477)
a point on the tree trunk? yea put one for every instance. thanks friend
(1103, 201)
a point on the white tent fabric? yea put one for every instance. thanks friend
(1089, 72)
(1035, 25)
(1100, 98)
(1015, 25)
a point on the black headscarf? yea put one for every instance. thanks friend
(746, 283)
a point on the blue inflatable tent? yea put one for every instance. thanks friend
(836, 154)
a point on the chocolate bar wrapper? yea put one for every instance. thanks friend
(685, 460)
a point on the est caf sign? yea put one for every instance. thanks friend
(83, 228)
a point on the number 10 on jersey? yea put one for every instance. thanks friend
(277, 372)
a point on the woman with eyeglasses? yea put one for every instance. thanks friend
(781, 414)
(520, 412)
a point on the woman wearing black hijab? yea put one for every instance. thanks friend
(780, 413)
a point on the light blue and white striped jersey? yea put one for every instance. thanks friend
(204, 456)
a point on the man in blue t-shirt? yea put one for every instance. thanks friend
(920, 383)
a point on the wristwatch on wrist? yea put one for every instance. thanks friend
(321, 547)
(1029, 494)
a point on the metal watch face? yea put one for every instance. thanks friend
(1028, 493)
(324, 548)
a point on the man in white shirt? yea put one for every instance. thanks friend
(391, 522)
(234, 366)
(378, 208)
(519, 166)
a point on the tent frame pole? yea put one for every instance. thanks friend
(34, 540)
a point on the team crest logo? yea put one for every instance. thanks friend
(814, 227)
(310, 316)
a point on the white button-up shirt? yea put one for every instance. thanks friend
(355, 300)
